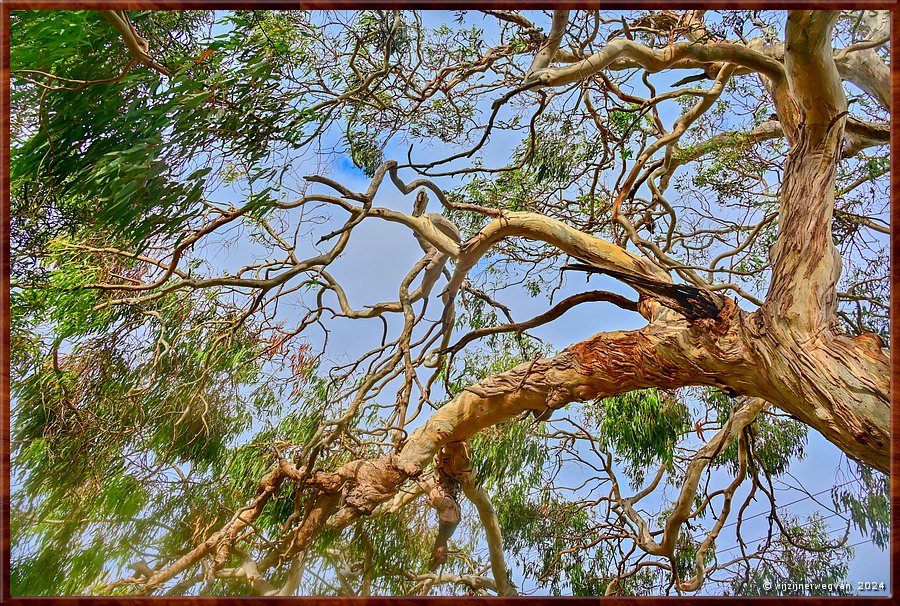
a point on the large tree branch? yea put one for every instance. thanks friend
(858, 135)
(534, 226)
(812, 74)
(746, 353)
(814, 383)
(806, 265)
(663, 354)
(681, 55)
(865, 69)
(137, 46)
(548, 51)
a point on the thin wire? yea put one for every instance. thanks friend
(762, 513)
(800, 526)
(863, 541)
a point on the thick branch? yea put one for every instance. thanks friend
(812, 74)
(548, 51)
(662, 355)
(806, 265)
(682, 55)
(865, 69)
(137, 46)
(533, 226)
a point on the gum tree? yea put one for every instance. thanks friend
(180, 410)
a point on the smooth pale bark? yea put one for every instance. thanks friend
(682, 55)
(789, 352)
(550, 48)
(137, 46)
(492, 533)
(861, 66)
(865, 69)
(813, 77)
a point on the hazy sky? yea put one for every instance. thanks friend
(381, 253)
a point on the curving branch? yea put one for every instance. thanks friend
(865, 69)
(624, 54)
(136, 45)
(549, 49)
(492, 534)
(553, 313)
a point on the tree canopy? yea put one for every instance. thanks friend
(284, 286)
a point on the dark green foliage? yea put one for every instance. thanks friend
(139, 157)
(538, 526)
(641, 427)
(365, 153)
(507, 451)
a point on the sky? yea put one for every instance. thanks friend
(380, 254)
(374, 263)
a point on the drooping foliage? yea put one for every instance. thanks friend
(186, 191)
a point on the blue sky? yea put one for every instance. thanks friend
(380, 254)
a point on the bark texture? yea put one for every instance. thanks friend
(789, 353)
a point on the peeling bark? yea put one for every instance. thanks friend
(748, 353)
(789, 353)
(452, 461)
(836, 384)
(806, 264)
